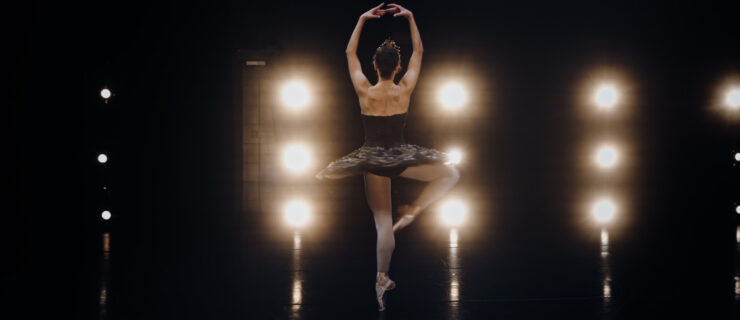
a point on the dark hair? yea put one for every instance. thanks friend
(387, 57)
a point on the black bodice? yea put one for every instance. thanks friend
(384, 131)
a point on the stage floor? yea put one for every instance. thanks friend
(504, 268)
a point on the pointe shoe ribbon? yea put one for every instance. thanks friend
(380, 290)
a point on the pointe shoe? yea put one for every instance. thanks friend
(405, 219)
(380, 288)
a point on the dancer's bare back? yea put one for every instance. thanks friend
(386, 99)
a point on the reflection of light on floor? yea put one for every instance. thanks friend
(737, 267)
(104, 275)
(606, 280)
(297, 292)
(454, 289)
(296, 241)
(454, 266)
(453, 238)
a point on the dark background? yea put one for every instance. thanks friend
(174, 69)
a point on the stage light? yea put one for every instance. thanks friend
(102, 158)
(105, 93)
(296, 157)
(737, 156)
(603, 210)
(452, 96)
(105, 215)
(732, 98)
(606, 96)
(606, 156)
(295, 95)
(296, 213)
(453, 212)
(737, 209)
(455, 156)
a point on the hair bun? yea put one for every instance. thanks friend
(390, 43)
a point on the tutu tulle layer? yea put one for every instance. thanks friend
(381, 159)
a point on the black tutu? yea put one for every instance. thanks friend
(384, 152)
(389, 162)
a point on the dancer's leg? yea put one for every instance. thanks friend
(441, 179)
(378, 194)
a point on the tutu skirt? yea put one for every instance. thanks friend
(389, 162)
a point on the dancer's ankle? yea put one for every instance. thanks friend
(381, 275)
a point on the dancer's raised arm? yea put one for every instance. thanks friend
(355, 69)
(408, 82)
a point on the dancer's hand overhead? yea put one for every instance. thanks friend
(375, 12)
(399, 10)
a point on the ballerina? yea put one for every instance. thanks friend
(385, 154)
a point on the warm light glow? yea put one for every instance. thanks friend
(732, 98)
(295, 95)
(603, 210)
(296, 157)
(452, 96)
(606, 156)
(606, 96)
(105, 215)
(453, 212)
(455, 156)
(105, 93)
(297, 213)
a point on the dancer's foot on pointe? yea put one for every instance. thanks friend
(408, 213)
(383, 284)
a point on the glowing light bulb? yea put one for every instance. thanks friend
(452, 96)
(455, 156)
(606, 156)
(606, 96)
(732, 98)
(295, 95)
(105, 93)
(296, 157)
(603, 210)
(453, 212)
(297, 213)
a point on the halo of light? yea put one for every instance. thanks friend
(452, 96)
(603, 210)
(296, 157)
(105, 93)
(737, 156)
(102, 158)
(105, 215)
(297, 213)
(606, 96)
(453, 212)
(606, 156)
(295, 95)
(732, 98)
(455, 156)
(737, 209)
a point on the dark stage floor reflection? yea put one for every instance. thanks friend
(480, 271)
